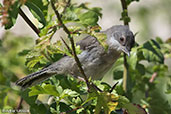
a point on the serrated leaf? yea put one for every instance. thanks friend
(36, 11)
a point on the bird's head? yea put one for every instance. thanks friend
(120, 38)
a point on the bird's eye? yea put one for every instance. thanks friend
(121, 39)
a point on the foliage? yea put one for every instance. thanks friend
(67, 94)
(11, 67)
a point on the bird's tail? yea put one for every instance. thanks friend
(33, 78)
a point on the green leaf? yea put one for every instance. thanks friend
(133, 58)
(24, 52)
(159, 40)
(151, 51)
(102, 39)
(44, 89)
(131, 108)
(29, 99)
(89, 18)
(50, 89)
(69, 92)
(168, 91)
(41, 4)
(97, 10)
(33, 61)
(64, 108)
(37, 13)
(71, 14)
(118, 72)
(38, 109)
(36, 90)
(134, 109)
(140, 68)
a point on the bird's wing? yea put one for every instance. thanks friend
(88, 42)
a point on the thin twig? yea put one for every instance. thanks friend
(125, 74)
(96, 88)
(72, 43)
(23, 15)
(70, 51)
(67, 5)
(20, 103)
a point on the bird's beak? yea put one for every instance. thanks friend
(125, 50)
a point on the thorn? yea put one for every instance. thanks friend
(113, 87)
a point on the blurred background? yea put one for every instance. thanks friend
(149, 19)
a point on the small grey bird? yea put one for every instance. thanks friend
(94, 59)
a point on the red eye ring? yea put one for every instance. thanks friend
(121, 39)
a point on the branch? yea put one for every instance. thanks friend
(70, 51)
(72, 43)
(124, 7)
(27, 20)
(67, 5)
(125, 74)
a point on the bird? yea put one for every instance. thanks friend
(95, 60)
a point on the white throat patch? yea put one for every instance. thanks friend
(114, 44)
